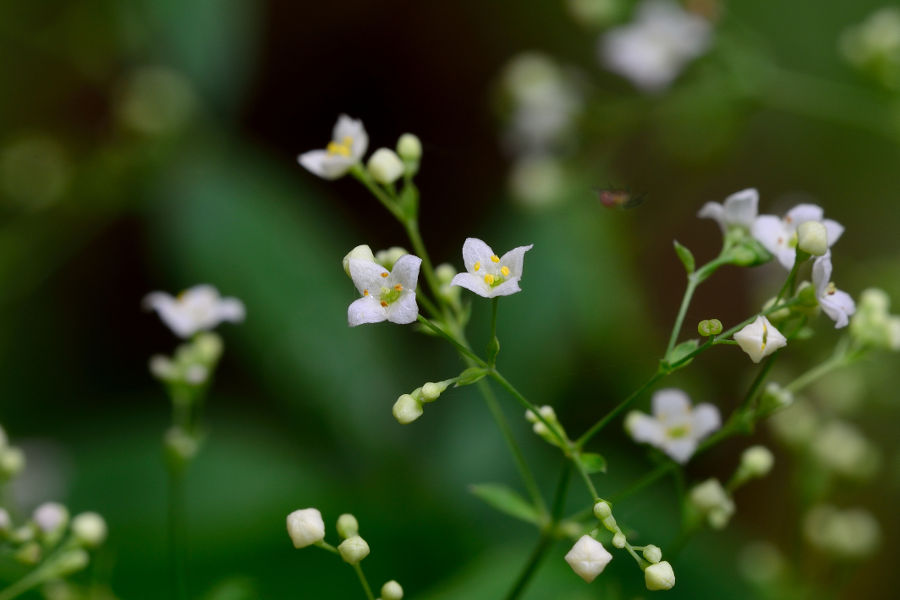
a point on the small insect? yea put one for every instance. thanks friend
(620, 199)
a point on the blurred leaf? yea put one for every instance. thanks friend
(506, 501)
(685, 256)
(592, 462)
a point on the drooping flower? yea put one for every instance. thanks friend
(386, 295)
(760, 339)
(489, 275)
(675, 427)
(838, 305)
(652, 51)
(349, 141)
(588, 558)
(738, 210)
(199, 308)
(779, 235)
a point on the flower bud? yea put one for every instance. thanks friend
(774, 397)
(407, 409)
(588, 558)
(756, 461)
(444, 273)
(409, 147)
(759, 339)
(432, 391)
(602, 510)
(659, 576)
(209, 347)
(708, 495)
(610, 523)
(89, 529)
(196, 374)
(619, 540)
(305, 527)
(50, 517)
(387, 258)
(12, 461)
(347, 526)
(708, 327)
(652, 554)
(361, 252)
(812, 237)
(163, 368)
(391, 590)
(5, 521)
(353, 549)
(385, 166)
(29, 554)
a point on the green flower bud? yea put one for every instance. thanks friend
(432, 391)
(70, 562)
(385, 166)
(29, 554)
(602, 510)
(812, 238)
(361, 252)
(708, 327)
(407, 409)
(347, 526)
(12, 461)
(444, 273)
(652, 554)
(619, 540)
(409, 147)
(660, 576)
(756, 461)
(391, 591)
(353, 549)
(208, 347)
(89, 529)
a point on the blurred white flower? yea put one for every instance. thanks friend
(50, 517)
(874, 45)
(588, 558)
(305, 527)
(653, 49)
(675, 427)
(738, 210)
(842, 448)
(386, 295)
(712, 501)
(838, 305)
(196, 309)
(349, 141)
(779, 235)
(847, 534)
(489, 275)
(873, 325)
(760, 339)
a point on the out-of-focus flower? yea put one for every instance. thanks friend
(838, 305)
(155, 101)
(50, 517)
(305, 527)
(841, 447)
(874, 46)
(385, 166)
(873, 325)
(738, 210)
(760, 562)
(712, 501)
(588, 558)
(386, 295)
(675, 427)
(795, 425)
(779, 235)
(489, 275)
(760, 339)
(199, 308)
(349, 142)
(537, 181)
(653, 50)
(34, 172)
(89, 529)
(846, 534)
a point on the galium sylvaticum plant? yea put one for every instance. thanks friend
(388, 288)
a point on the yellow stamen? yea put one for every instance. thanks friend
(384, 304)
(495, 258)
(365, 292)
(489, 279)
(342, 148)
(384, 274)
(398, 287)
(831, 289)
(477, 266)
(505, 270)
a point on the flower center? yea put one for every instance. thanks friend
(494, 276)
(341, 148)
(679, 431)
(831, 289)
(390, 295)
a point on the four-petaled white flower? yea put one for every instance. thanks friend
(199, 308)
(386, 295)
(588, 558)
(490, 275)
(675, 427)
(738, 210)
(349, 141)
(779, 236)
(838, 305)
(760, 339)
(652, 50)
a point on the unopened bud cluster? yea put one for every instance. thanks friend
(873, 325)
(541, 428)
(410, 407)
(192, 365)
(710, 501)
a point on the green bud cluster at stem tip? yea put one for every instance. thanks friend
(708, 327)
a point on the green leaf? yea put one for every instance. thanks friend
(592, 462)
(680, 351)
(685, 256)
(506, 501)
(470, 376)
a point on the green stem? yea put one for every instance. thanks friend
(31, 580)
(494, 342)
(682, 311)
(412, 231)
(565, 444)
(835, 362)
(363, 581)
(461, 348)
(363, 177)
(788, 286)
(596, 427)
(177, 530)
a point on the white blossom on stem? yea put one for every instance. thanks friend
(779, 235)
(838, 305)
(760, 339)
(675, 427)
(199, 308)
(349, 142)
(386, 295)
(489, 275)
(588, 558)
(738, 210)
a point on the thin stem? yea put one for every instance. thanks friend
(816, 372)
(177, 530)
(363, 581)
(31, 580)
(586, 477)
(461, 348)
(360, 174)
(493, 341)
(596, 427)
(565, 444)
(643, 482)
(415, 238)
(792, 276)
(682, 311)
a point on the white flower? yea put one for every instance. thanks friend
(652, 50)
(349, 141)
(386, 295)
(759, 339)
(196, 309)
(50, 517)
(675, 427)
(779, 236)
(838, 305)
(305, 527)
(659, 576)
(738, 210)
(490, 275)
(588, 558)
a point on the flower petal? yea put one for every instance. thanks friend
(833, 229)
(821, 273)
(514, 259)
(680, 450)
(406, 271)
(714, 211)
(839, 306)
(769, 231)
(644, 428)
(802, 213)
(473, 283)
(367, 275)
(325, 165)
(741, 208)
(403, 310)
(230, 309)
(365, 310)
(704, 420)
(476, 251)
(670, 404)
(352, 128)
(508, 287)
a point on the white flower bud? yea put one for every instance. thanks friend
(5, 521)
(407, 409)
(757, 461)
(353, 549)
(385, 166)
(610, 523)
(588, 558)
(162, 367)
(409, 147)
(305, 527)
(89, 529)
(812, 237)
(12, 461)
(659, 576)
(387, 258)
(602, 510)
(530, 416)
(619, 540)
(50, 517)
(444, 273)
(391, 590)
(347, 526)
(708, 495)
(432, 391)
(652, 554)
(760, 339)
(361, 252)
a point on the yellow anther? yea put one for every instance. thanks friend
(398, 287)
(384, 274)
(495, 258)
(489, 279)
(831, 289)
(384, 304)
(341, 148)
(365, 292)
(505, 270)
(476, 266)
